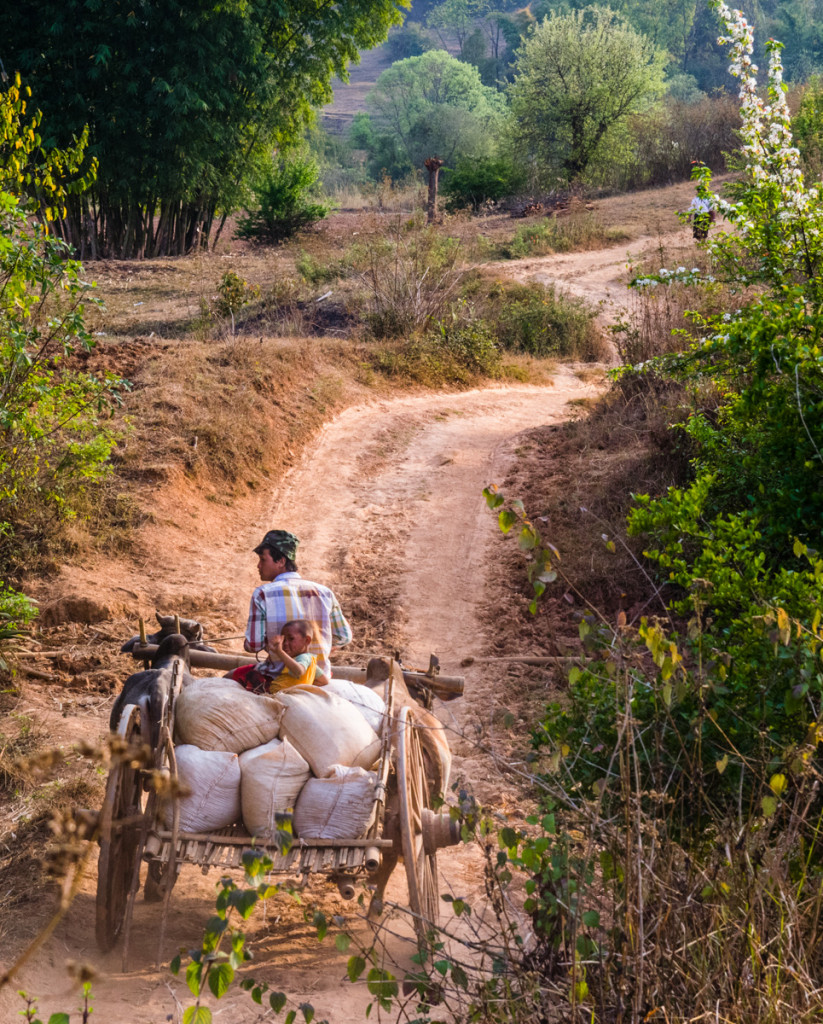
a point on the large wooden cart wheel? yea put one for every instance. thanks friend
(120, 828)
(415, 808)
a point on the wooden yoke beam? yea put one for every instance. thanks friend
(444, 687)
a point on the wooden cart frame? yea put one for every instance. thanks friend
(132, 830)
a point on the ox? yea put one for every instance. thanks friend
(150, 689)
(169, 625)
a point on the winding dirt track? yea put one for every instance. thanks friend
(389, 510)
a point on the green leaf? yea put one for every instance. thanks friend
(527, 540)
(459, 977)
(506, 520)
(220, 977)
(493, 498)
(308, 1012)
(508, 837)
(591, 918)
(197, 1015)
(355, 967)
(321, 924)
(277, 1000)
(194, 974)
(59, 1018)
(174, 966)
(342, 942)
(291, 1016)
(768, 805)
(244, 901)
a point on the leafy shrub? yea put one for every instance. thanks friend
(537, 319)
(284, 192)
(471, 341)
(233, 293)
(474, 183)
(54, 436)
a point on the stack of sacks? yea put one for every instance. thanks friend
(331, 732)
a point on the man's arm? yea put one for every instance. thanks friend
(256, 626)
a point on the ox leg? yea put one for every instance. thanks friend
(389, 857)
(158, 881)
(380, 880)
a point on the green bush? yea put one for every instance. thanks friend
(55, 432)
(286, 201)
(536, 319)
(474, 183)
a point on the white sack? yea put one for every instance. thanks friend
(326, 729)
(272, 777)
(213, 779)
(336, 807)
(218, 714)
(370, 704)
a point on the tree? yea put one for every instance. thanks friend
(578, 78)
(183, 101)
(454, 20)
(437, 106)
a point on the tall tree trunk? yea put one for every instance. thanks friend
(432, 165)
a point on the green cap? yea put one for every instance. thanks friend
(279, 540)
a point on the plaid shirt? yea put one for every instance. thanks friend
(291, 597)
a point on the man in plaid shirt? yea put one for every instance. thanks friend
(282, 597)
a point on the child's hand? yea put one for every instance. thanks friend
(276, 646)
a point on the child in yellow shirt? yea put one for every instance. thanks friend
(290, 662)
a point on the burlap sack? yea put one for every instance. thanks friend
(213, 780)
(370, 704)
(326, 729)
(336, 807)
(272, 777)
(218, 714)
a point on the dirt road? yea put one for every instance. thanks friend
(389, 510)
(600, 275)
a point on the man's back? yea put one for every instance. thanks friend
(290, 597)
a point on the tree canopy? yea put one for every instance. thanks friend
(437, 106)
(181, 99)
(578, 76)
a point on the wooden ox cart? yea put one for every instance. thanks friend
(132, 830)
